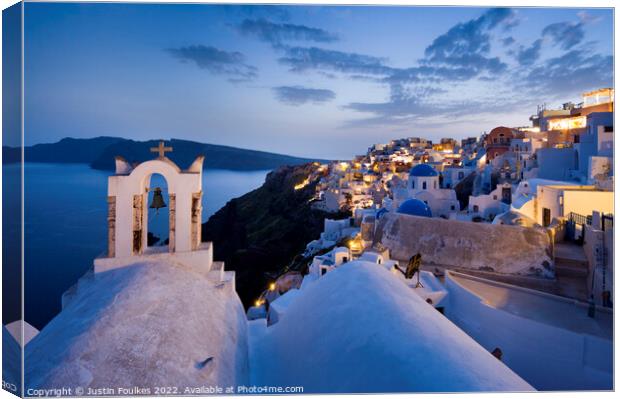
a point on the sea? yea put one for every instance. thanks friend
(65, 223)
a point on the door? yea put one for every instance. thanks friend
(546, 217)
(506, 195)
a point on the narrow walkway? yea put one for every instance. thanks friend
(571, 267)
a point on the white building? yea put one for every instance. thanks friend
(595, 148)
(333, 231)
(492, 204)
(453, 175)
(559, 199)
(423, 184)
(325, 263)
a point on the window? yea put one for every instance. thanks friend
(423, 186)
(461, 175)
(476, 208)
(413, 184)
(434, 184)
(451, 207)
(495, 197)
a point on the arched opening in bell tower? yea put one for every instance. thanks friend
(157, 212)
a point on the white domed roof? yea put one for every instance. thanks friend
(147, 325)
(360, 329)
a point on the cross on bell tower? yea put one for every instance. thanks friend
(161, 149)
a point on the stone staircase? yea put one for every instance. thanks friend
(570, 261)
(571, 271)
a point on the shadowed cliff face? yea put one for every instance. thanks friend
(260, 233)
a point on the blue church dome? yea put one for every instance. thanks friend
(415, 207)
(423, 170)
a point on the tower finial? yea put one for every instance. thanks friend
(161, 149)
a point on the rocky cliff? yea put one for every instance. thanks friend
(261, 234)
(508, 250)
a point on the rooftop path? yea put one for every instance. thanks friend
(544, 308)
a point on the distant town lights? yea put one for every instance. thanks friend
(272, 287)
(302, 184)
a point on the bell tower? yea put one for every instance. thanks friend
(127, 207)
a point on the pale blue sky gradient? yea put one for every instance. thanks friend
(144, 71)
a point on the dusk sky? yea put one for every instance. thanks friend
(310, 81)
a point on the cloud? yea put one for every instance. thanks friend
(459, 55)
(216, 61)
(277, 33)
(574, 71)
(458, 76)
(508, 41)
(298, 95)
(528, 56)
(466, 45)
(306, 58)
(565, 34)
(587, 18)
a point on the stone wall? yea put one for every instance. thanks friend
(466, 245)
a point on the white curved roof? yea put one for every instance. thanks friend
(146, 325)
(11, 362)
(15, 328)
(360, 329)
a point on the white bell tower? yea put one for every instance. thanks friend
(128, 212)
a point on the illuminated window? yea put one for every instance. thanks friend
(577, 122)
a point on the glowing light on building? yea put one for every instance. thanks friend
(534, 129)
(302, 184)
(576, 122)
(355, 245)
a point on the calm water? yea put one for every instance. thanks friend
(65, 224)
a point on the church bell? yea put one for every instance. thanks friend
(158, 199)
